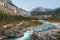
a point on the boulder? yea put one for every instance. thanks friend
(11, 33)
(34, 37)
(2, 37)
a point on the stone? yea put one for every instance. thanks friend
(34, 37)
(11, 33)
(2, 37)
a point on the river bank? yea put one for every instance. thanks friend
(48, 34)
(28, 34)
(17, 29)
(57, 24)
(45, 33)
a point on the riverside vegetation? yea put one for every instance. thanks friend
(14, 31)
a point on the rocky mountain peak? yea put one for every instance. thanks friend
(42, 9)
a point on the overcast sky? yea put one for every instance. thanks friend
(29, 4)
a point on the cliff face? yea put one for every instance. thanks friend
(9, 6)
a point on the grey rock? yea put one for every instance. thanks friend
(13, 32)
(2, 37)
(34, 37)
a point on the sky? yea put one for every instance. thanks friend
(30, 4)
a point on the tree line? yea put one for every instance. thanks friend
(6, 17)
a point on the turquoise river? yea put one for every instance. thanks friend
(28, 33)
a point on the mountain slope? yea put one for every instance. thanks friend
(45, 13)
(41, 9)
(13, 8)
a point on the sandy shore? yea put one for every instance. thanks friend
(56, 24)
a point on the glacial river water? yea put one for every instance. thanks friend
(28, 33)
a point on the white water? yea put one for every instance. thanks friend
(28, 33)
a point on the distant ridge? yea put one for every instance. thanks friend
(41, 13)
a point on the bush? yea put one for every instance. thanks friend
(30, 24)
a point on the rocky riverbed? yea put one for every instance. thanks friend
(11, 32)
(16, 29)
(47, 34)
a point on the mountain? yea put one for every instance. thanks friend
(9, 6)
(40, 13)
(41, 9)
(23, 12)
